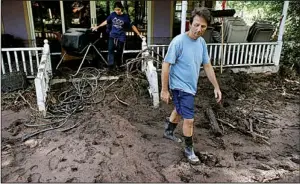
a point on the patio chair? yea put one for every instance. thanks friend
(208, 35)
(260, 32)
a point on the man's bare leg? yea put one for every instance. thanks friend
(188, 125)
(175, 117)
(170, 126)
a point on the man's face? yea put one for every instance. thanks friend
(118, 11)
(198, 27)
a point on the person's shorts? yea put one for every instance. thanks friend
(184, 103)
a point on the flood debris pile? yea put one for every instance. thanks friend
(249, 103)
(18, 100)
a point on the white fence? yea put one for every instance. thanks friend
(42, 80)
(131, 33)
(21, 59)
(235, 54)
(151, 74)
(49, 35)
(29, 61)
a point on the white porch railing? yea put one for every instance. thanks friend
(27, 60)
(21, 59)
(151, 74)
(235, 54)
(48, 35)
(42, 80)
(131, 33)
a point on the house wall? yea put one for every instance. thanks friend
(13, 16)
(162, 22)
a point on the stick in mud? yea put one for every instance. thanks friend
(252, 133)
(213, 122)
(122, 102)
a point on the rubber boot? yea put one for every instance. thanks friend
(169, 131)
(189, 151)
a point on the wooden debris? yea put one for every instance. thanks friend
(226, 123)
(20, 94)
(122, 102)
(251, 132)
(56, 81)
(213, 122)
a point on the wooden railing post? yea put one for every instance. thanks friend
(151, 73)
(42, 79)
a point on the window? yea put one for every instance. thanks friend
(77, 14)
(46, 20)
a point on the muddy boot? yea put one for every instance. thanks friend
(169, 131)
(189, 151)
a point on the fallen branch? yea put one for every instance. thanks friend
(276, 177)
(258, 135)
(263, 122)
(266, 142)
(287, 80)
(226, 123)
(253, 134)
(251, 125)
(122, 102)
(56, 81)
(26, 101)
(213, 122)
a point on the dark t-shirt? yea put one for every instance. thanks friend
(117, 24)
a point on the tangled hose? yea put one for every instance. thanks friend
(81, 94)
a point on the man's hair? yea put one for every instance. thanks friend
(118, 5)
(201, 12)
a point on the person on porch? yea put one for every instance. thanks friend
(117, 22)
(180, 73)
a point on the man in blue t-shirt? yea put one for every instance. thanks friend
(117, 23)
(180, 71)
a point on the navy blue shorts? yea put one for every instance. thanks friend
(184, 104)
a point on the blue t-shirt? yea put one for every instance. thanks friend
(186, 56)
(118, 23)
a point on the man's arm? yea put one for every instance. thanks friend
(170, 59)
(212, 78)
(165, 94)
(211, 75)
(165, 76)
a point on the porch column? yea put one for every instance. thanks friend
(62, 14)
(31, 24)
(183, 16)
(284, 13)
(278, 48)
(150, 15)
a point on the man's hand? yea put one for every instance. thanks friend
(165, 96)
(218, 95)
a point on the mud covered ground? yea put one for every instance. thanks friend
(122, 142)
